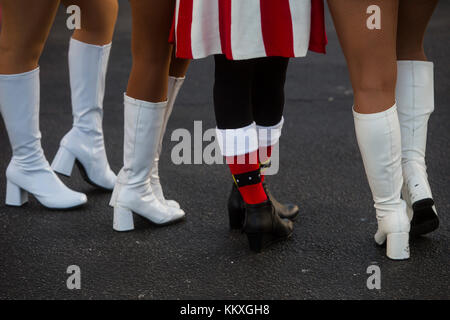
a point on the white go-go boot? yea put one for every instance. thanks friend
(415, 100)
(379, 141)
(29, 171)
(84, 143)
(133, 191)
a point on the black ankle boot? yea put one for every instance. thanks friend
(236, 207)
(264, 226)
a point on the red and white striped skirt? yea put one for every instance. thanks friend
(246, 29)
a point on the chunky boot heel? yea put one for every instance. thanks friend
(15, 195)
(424, 219)
(421, 210)
(236, 219)
(236, 209)
(259, 241)
(397, 246)
(63, 162)
(123, 219)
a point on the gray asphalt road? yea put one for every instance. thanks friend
(321, 169)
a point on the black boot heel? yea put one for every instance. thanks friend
(259, 241)
(236, 209)
(236, 216)
(425, 219)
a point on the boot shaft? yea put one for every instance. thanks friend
(415, 99)
(88, 65)
(143, 122)
(19, 106)
(415, 88)
(174, 86)
(379, 141)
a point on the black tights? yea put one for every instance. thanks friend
(247, 91)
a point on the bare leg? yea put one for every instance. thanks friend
(413, 18)
(178, 67)
(98, 19)
(152, 20)
(371, 54)
(25, 28)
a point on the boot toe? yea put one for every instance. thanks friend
(70, 199)
(173, 204)
(290, 212)
(174, 215)
(79, 199)
(177, 214)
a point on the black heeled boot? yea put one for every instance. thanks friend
(236, 207)
(264, 226)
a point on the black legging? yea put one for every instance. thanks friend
(247, 91)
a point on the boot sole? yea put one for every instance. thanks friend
(260, 241)
(152, 223)
(48, 208)
(236, 225)
(133, 214)
(294, 216)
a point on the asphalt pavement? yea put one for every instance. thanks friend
(321, 170)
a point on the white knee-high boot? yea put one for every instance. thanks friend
(29, 171)
(415, 100)
(84, 143)
(133, 191)
(379, 141)
(172, 93)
